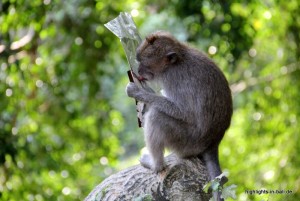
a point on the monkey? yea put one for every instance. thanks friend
(194, 111)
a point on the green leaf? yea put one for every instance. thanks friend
(229, 191)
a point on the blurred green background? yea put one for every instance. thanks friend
(66, 122)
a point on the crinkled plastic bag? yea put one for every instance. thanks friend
(124, 28)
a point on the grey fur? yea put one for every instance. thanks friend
(195, 111)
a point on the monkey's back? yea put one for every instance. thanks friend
(202, 93)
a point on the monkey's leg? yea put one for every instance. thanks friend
(155, 159)
(154, 137)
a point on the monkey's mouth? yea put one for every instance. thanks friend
(141, 78)
(145, 77)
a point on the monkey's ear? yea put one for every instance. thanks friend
(172, 57)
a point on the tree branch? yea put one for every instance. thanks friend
(183, 179)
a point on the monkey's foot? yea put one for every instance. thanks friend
(146, 161)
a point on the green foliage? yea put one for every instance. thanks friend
(217, 185)
(229, 192)
(65, 119)
(57, 122)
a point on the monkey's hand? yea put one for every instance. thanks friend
(161, 103)
(133, 90)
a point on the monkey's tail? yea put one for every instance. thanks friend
(211, 159)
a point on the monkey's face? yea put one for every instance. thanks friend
(155, 55)
(149, 70)
(150, 63)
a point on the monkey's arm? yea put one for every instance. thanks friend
(161, 103)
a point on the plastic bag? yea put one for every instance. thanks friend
(124, 28)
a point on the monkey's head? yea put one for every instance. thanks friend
(157, 53)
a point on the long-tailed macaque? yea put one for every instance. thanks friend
(195, 110)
